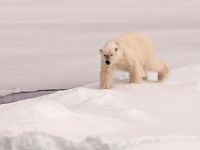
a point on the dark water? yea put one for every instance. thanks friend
(24, 95)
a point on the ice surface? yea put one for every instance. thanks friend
(55, 44)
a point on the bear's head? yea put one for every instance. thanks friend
(111, 53)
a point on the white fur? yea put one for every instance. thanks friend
(131, 52)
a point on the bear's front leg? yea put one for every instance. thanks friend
(106, 77)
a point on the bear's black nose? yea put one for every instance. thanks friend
(108, 62)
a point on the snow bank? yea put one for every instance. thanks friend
(127, 117)
(46, 115)
(105, 103)
(43, 141)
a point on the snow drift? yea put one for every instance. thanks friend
(125, 117)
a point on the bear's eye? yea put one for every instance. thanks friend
(111, 54)
(116, 49)
(104, 55)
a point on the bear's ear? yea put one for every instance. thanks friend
(116, 49)
(117, 42)
(121, 43)
(100, 50)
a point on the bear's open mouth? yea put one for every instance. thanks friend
(107, 62)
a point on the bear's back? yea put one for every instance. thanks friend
(140, 45)
(138, 40)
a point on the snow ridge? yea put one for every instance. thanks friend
(104, 103)
(43, 141)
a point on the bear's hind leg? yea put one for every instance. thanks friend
(136, 74)
(157, 66)
(145, 74)
(162, 74)
(134, 78)
(144, 78)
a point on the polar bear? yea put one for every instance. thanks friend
(131, 52)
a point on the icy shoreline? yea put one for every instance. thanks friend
(13, 97)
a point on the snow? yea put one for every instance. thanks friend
(55, 44)
(129, 116)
